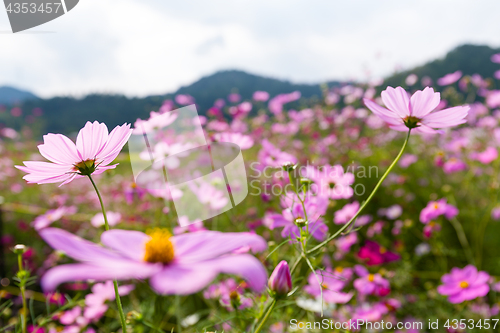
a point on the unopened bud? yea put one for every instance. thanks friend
(289, 166)
(20, 249)
(300, 222)
(280, 281)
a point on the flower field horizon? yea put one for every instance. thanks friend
(374, 209)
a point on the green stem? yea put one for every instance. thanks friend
(463, 240)
(23, 293)
(115, 283)
(345, 226)
(178, 312)
(263, 321)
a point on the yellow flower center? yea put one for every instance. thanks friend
(464, 284)
(436, 206)
(383, 250)
(339, 269)
(159, 248)
(371, 277)
(325, 286)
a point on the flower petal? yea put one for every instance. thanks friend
(78, 248)
(447, 118)
(127, 242)
(203, 245)
(423, 102)
(189, 279)
(386, 115)
(91, 140)
(59, 149)
(116, 140)
(83, 272)
(397, 100)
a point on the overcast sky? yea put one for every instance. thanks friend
(141, 47)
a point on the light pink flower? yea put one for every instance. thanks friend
(496, 58)
(243, 141)
(407, 160)
(95, 149)
(181, 264)
(416, 112)
(450, 78)
(343, 215)
(454, 165)
(370, 284)
(52, 215)
(113, 219)
(261, 96)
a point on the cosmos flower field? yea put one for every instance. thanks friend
(373, 205)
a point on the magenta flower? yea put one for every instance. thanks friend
(437, 208)
(95, 149)
(416, 112)
(496, 58)
(182, 264)
(370, 284)
(495, 213)
(464, 284)
(449, 78)
(280, 281)
(376, 254)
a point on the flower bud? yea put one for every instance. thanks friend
(20, 249)
(280, 281)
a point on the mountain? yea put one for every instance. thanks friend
(68, 114)
(468, 58)
(11, 95)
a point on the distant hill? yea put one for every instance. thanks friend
(470, 59)
(68, 114)
(11, 95)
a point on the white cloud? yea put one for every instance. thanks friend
(145, 47)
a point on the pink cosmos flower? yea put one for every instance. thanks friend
(261, 96)
(343, 215)
(113, 219)
(243, 141)
(52, 215)
(370, 284)
(271, 156)
(437, 208)
(487, 156)
(332, 181)
(416, 112)
(95, 149)
(495, 213)
(277, 102)
(496, 58)
(464, 284)
(182, 264)
(315, 208)
(230, 294)
(95, 302)
(454, 165)
(449, 78)
(184, 99)
(376, 254)
(332, 283)
(407, 160)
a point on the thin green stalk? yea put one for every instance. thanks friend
(115, 283)
(463, 240)
(178, 312)
(263, 321)
(345, 226)
(23, 293)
